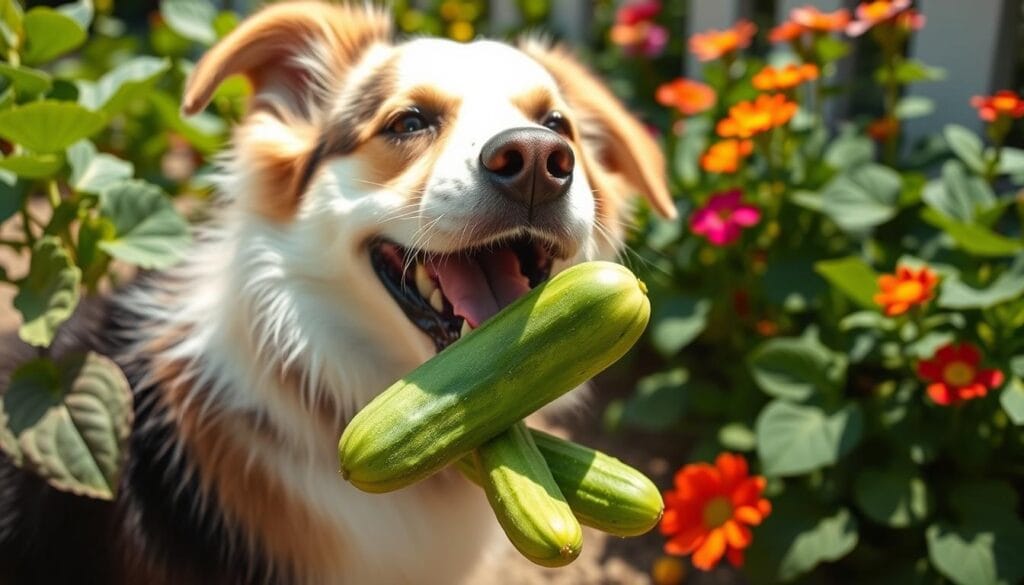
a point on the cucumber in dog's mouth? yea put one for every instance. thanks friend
(444, 294)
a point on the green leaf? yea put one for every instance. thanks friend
(92, 231)
(895, 498)
(12, 193)
(204, 131)
(150, 232)
(658, 402)
(91, 171)
(793, 439)
(914, 106)
(81, 12)
(862, 197)
(49, 294)
(910, 71)
(1012, 401)
(972, 238)
(1007, 287)
(958, 196)
(26, 81)
(852, 277)
(830, 539)
(49, 34)
(192, 19)
(850, 149)
(867, 320)
(33, 166)
(130, 81)
(830, 49)
(48, 126)
(737, 437)
(677, 321)
(790, 282)
(966, 146)
(796, 368)
(72, 422)
(11, 23)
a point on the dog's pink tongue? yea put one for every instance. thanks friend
(480, 286)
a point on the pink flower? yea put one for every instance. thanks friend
(635, 30)
(723, 218)
(875, 12)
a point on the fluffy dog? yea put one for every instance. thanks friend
(377, 199)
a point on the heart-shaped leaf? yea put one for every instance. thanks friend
(49, 294)
(26, 81)
(150, 232)
(659, 401)
(959, 196)
(914, 106)
(862, 197)
(49, 34)
(192, 19)
(33, 166)
(81, 12)
(1006, 287)
(793, 439)
(128, 82)
(971, 237)
(72, 422)
(896, 498)
(91, 172)
(966, 146)
(48, 126)
(796, 368)
(676, 322)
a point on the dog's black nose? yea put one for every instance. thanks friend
(529, 165)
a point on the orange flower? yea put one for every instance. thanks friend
(1004, 103)
(871, 13)
(688, 96)
(713, 44)
(709, 512)
(905, 289)
(786, 32)
(754, 117)
(881, 129)
(954, 376)
(813, 19)
(783, 78)
(725, 156)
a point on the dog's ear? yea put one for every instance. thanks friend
(625, 145)
(294, 50)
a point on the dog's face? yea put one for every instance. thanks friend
(403, 192)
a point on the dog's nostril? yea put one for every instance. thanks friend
(560, 163)
(508, 163)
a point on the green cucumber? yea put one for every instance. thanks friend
(526, 500)
(544, 344)
(603, 492)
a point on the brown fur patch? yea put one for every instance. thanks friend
(534, 104)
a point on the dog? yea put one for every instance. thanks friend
(378, 199)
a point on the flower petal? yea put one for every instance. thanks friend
(735, 557)
(746, 215)
(710, 552)
(929, 370)
(733, 469)
(991, 378)
(687, 541)
(941, 394)
(736, 534)
(968, 353)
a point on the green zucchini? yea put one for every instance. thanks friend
(603, 492)
(526, 500)
(544, 344)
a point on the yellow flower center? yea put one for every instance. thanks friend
(958, 374)
(717, 512)
(908, 291)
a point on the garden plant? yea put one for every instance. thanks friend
(835, 313)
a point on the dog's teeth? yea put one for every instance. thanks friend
(466, 328)
(424, 284)
(437, 300)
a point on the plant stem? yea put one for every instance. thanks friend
(53, 190)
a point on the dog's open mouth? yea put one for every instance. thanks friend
(445, 294)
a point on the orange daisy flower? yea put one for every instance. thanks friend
(711, 509)
(813, 19)
(876, 12)
(786, 32)
(725, 156)
(754, 117)
(907, 288)
(688, 96)
(954, 376)
(881, 129)
(1003, 103)
(713, 44)
(783, 78)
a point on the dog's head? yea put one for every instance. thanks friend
(402, 189)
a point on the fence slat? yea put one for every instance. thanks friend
(571, 19)
(708, 14)
(974, 43)
(504, 17)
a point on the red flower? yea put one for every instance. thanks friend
(905, 289)
(1004, 103)
(688, 96)
(813, 19)
(786, 32)
(881, 129)
(711, 509)
(954, 376)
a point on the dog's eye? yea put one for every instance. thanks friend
(556, 121)
(408, 122)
